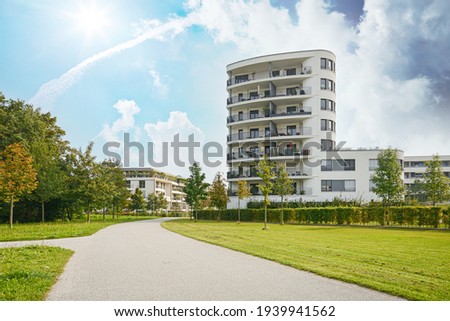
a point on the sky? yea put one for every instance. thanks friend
(154, 69)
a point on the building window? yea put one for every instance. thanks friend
(254, 114)
(128, 184)
(290, 72)
(275, 73)
(254, 95)
(291, 91)
(241, 78)
(141, 184)
(254, 133)
(326, 104)
(373, 164)
(327, 84)
(241, 134)
(327, 125)
(240, 116)
(291, 109)
(338, 185)
(338, 165)
(327, 144)
(291, 130)
(327, 64)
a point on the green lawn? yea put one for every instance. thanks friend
(412, 264)
(56, 230)
(28, 273)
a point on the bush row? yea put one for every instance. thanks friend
(421, 216)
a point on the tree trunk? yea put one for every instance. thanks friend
(89, 214)
(239, 211)
(103, 213)
(11, 213)
(265, 217)
(282, 211)
(218, 216)
(42, 211)
(196, 214)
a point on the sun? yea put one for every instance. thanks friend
(91, 20)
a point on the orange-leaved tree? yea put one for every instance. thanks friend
(17, 175)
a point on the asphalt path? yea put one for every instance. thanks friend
(142, 261)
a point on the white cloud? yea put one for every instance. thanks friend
(126, 123)
(381, 99)
(161, 88)
(163, 132)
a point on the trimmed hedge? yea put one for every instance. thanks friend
(412, 216)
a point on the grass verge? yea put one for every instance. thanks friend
(57, 230)
(28, 273)
(411, 264)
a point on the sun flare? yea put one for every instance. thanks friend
(91, 20)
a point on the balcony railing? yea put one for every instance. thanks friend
(306, 70)
(301, 91)
(273, 152)
(306, 191)
(248, 116)
(282, 132)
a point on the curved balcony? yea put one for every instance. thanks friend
(287, 93)
(253, 77)
(274, 134)
(294, 173)
(241, 117)
(274, 153)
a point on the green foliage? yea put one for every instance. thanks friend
(265, 172)
(17, 175)
(405, 216)
(195, 187)
(243, 192)
(137, 202)
(282, 186)
(387, 179)
(217, 193)
(436, 183)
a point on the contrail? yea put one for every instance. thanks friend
(49, 91)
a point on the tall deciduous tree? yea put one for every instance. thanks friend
(195, 188)
(242, 193)
(387, 179)
(436, 183)
(218, 194)
(282, 186)
(17, 175)
(265, 172)
(137, 200)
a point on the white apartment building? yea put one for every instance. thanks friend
(284, 106)
(151, 181)
(415, 168)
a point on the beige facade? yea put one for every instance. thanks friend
(151, 181)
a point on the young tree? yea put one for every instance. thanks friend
(152, 202)
(282, 186)
(218, 194)
(418, 191)
(161, 202)
(436, 183)
(265, 172)
(387, 179)
(17, 175)
(137, 200)
(195, 188)
(242, 193)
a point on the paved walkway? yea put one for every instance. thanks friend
(143, 261)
